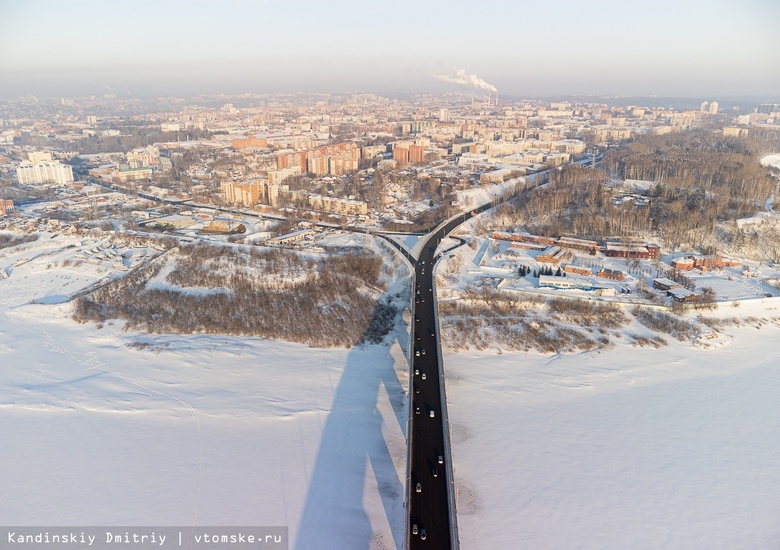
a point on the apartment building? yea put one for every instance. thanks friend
(48, 172)
(334, 160)
(245, 193)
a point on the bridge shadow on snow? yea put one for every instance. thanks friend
(352, 441)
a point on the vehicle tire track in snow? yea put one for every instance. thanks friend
(95, 364)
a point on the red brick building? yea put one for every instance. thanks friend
(416, 153)
(631, 250)
(251, 141)
(577, 270)
(614, 274)
(401, 156)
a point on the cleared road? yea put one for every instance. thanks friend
(429, 503)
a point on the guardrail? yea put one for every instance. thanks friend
(453, 504)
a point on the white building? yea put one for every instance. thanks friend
(50, 172)
(39, 157)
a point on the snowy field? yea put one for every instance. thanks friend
(670, 448)
(106, 427)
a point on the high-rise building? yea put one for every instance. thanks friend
(704, 106)
(335, 160)
(769, 108)
(278, 176)
(416, 153)
(444, 115)
(50, 172)
(714, 108)
(401, 156)
(39, 157)
(245, 194)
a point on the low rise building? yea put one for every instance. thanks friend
(682, 264)
(663, 283)
(552, 255)
(631, 250)
(577, 270)
(683, 295)
(613, 274)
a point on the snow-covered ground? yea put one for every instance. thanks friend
(669, 448)
(107, 427)
(472, 198)
(772, 160)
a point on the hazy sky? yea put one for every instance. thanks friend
(712, 49)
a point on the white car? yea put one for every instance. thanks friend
(432, 413)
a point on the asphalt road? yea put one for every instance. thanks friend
(428, 508)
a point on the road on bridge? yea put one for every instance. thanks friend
(430, 504)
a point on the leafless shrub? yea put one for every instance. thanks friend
(7, 240)
(665, 323)
(588, 313)
(641, 341)
(326, 304)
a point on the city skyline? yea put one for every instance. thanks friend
(681, 49)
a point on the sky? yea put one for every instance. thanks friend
(674, 48)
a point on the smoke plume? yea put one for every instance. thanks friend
(462, 77)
